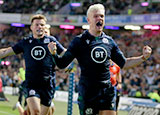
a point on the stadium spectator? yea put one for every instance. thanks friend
(15, 81)
(2, 95)
(114, 7)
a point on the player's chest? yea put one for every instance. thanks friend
(97, 50)
(97, 47)
(36, 49)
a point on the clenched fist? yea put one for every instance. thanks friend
(52, 48)
(146, 52)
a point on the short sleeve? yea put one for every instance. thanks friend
(74, 46)
(18, 48)
(117, 56)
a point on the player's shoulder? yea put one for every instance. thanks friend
(82, 36)
(107, 36)
(110, 39)
(52, 38)
(27, 38)
(77, 38)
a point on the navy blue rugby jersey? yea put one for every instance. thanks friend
(38, 59)
(93, 54)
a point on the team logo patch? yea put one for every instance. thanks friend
(46, 40)
(38, 52)
(30, 41)
(87, 41)
(105, 40)
(32, 92)
(89, 111)
(99, 54)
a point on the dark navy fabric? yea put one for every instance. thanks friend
(93, 55)
(38, 60)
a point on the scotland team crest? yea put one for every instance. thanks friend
(46, 40)
(32, 92)
(105, 40)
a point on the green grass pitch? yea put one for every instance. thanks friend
(61, 107)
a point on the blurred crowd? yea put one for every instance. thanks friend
(113, 7)
(32, 6)
(142, 81)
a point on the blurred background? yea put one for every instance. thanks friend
(131, 23)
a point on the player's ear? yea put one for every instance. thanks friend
(88, 20)
(31, 27)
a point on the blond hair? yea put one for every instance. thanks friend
(95, 7)
(38, 16)
(48, 26)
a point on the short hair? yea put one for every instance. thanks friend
(38, 16)
(95, 7)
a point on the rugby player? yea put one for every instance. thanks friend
(39, 64)
(93, 49)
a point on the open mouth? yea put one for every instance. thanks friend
(99, 24)
(39, 31)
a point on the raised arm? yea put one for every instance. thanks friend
(134, 61)
(6, 52)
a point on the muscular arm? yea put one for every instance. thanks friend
(6, 52)
(133, 62)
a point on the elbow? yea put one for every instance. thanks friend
(128, 66)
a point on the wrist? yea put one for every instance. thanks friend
(119, 82)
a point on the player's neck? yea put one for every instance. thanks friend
(95, 33)
(38, 37)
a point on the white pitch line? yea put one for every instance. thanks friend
(6, 113)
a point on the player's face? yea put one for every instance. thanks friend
(47, 31)
(38, 27)
(96, 20)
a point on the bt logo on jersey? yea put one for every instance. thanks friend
(98, 54)
(38, 52)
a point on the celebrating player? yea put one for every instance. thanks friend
(93, 49)
(39, 66)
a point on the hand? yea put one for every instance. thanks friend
(146, 52)
(119, 86)
(52, 48)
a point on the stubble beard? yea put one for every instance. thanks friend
(40, 34)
